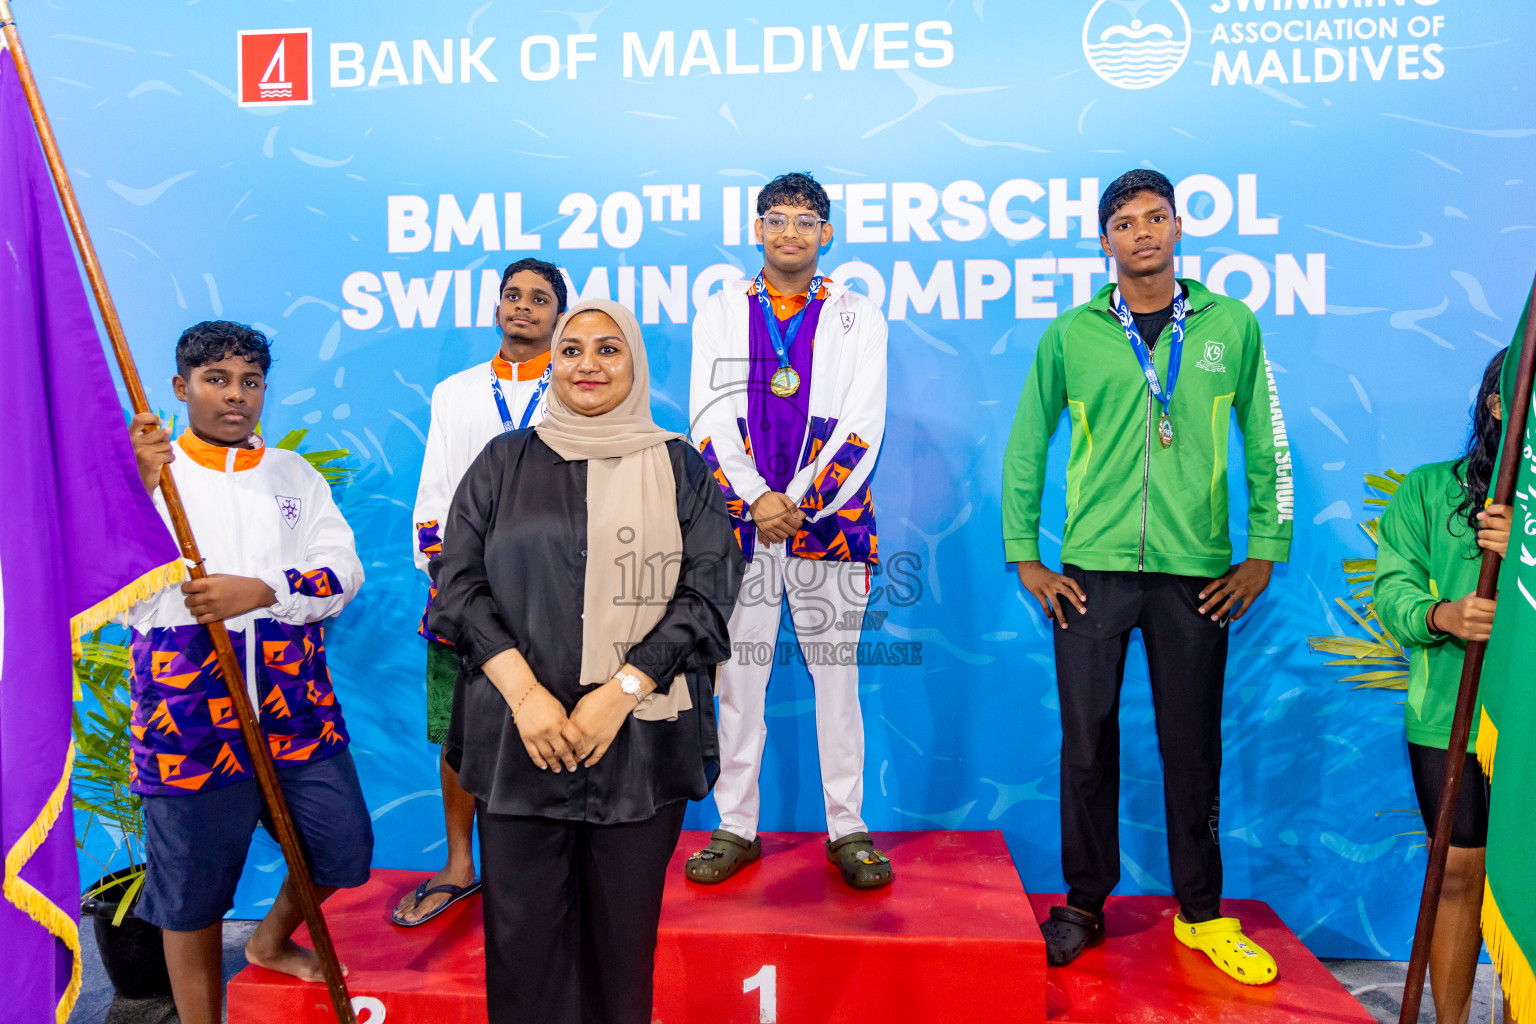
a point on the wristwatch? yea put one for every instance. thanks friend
(630, 684)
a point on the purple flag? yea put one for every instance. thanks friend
(81, 542)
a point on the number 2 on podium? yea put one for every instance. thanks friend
(766, 983)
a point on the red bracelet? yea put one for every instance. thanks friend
(520, 700)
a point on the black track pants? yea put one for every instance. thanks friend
(1187, 657)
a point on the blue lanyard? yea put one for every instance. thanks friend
(533, 401)
(782, 339)
(1144, 355)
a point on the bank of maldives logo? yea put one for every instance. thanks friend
(273, 67)
(1136, 44)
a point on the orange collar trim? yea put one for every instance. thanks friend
(216, 457)
(533, 369)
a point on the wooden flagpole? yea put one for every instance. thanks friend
(1515, 418)
(229, 664)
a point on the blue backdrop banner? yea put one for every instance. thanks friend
(352, 178)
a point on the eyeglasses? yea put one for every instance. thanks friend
(805, 223)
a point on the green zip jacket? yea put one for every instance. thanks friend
(1421, 557)
(1133, 505)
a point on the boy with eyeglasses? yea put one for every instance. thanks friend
(788, 408)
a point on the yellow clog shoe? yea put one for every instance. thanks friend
(1222, 939)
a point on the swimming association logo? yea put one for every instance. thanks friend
(272, 66)
(1136, 44)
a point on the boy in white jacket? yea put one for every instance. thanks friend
(280, 560)
(468, 410)
(788, 407)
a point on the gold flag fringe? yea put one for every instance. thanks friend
(102, 612)
(30, 901)
(1487, 743)
(18, 892)
(1509, 959)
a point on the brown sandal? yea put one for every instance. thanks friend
(726, 854)
(862, 866)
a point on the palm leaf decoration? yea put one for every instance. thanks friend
(103, 761)
(1382, 662)
(324, 462)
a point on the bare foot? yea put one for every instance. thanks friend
(410, 911)
(289, 958)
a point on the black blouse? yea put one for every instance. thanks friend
(512, 573)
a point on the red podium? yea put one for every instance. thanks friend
(1141, 973)
(954, 939)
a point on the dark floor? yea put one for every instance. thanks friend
(1378, 984)
(95, 1005)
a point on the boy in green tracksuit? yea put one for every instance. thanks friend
(1425, 594)
(1151, 372)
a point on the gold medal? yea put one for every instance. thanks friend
(785, 382)
(1165, 431)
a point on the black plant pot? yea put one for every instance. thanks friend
(132, 952)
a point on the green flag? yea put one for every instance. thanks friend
(1507, 732)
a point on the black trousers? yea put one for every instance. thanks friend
(571, 912)
(1186, 658)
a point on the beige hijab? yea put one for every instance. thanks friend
(634, 543)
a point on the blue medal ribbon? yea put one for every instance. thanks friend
(533, 401)
(782, 339)
(1144, 355)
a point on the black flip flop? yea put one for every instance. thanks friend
(455, 893)
(1069, 931)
